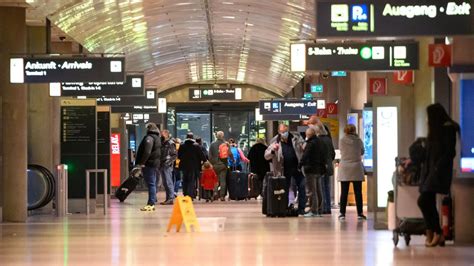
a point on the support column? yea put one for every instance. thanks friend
(358, 90)
(40, 127)
(14, 126)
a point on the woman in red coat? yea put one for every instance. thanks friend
(208, 181)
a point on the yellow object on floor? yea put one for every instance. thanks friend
(183, 212)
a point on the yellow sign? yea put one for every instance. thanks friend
(333, 125)
(183, 212)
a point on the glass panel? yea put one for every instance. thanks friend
(171, 121)
(198, 123)
(235, 125)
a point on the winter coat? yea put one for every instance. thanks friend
(331, 154)
(168, 153)
(190, 156)
(277, 156)
(258, 164)
(350, 166)
(149, 150)
(437, 173)
(208, 179)
(315, 156)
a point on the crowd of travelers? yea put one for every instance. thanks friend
(304, 160)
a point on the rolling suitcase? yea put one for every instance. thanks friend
(254, 186)
(277, 196)
(237, 185)
(129, 184)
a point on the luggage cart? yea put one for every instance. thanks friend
(408, 217)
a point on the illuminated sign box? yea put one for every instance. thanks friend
(70, 69)
(140, 109)
(370, 56)
(278, 117)
(317, 88)
(126, 100)
(393, 18)
(467, 125)
(134, 85)
(202, 94)
(288, 107)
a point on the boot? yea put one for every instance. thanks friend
(429, 237)
(438, 239)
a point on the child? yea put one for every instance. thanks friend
(208, 181)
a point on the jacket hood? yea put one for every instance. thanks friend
(153, 132)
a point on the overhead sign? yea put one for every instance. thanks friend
(135, 109)
(280, 117)
(202, 94)
(126, 100)
(331, 108)
(308, 96)
(338, 74)
(378, 86)
(405, 77)
(377, 18)
(439, 55)
(369, 56)
(67, 69)
(288, 107)
(133, 85)
(316, 88)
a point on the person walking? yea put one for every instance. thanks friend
(148, 158)
(437, 170)
(285, 151)
(351, 170)
(218, 157)
(238, 156)
(191, 159)
(168, 158)
(258, 164)
(313, 163)
(323, 134)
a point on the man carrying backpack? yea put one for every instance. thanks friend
(148, 157)
(219, 154)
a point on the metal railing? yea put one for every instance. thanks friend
(105, 176)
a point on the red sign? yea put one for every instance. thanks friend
(322, 113)
(331, 109)
(115, 160)
(378, 86)
(406, 77)
(439, 55)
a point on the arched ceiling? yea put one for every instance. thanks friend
(177, 42)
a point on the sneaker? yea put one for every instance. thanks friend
(342, 217)
(319, 215)
(361, 217)
(167, 202)
(148, 208)
(310, 215)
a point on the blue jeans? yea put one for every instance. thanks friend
(300, 183)
(177, 180)
(149, 174)
(166, 173)
(326, 194)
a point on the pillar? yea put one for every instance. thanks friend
(40, 128)
(358, 89)
(424, 89)
(14, 116)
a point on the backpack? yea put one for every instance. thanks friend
(236, 154)
(224, 151)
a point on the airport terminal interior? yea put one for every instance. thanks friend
(236, 132)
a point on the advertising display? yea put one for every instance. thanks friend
(387, 151)
(203, 94)
(103, 143)
(377, 18)
(115, 159)
(67, 69)
(133, 85)
(367, 138)
(467, 125)
(353, 119)
(288, 107)
(369, 56)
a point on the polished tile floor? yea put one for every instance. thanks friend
(129, 237)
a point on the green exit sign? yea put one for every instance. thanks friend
(316, 88)
(308, 96)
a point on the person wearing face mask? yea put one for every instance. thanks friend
(285, 152)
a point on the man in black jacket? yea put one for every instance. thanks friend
(168, 157)
(148, 157)
(191, 159)
(313, 164)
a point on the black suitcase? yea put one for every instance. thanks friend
(277, 196)
(254, 186)
(237, 184)
(129, 184)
